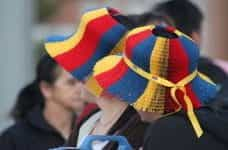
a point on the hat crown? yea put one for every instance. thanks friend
(160, 50)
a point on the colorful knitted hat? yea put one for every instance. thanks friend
(99, 34)
(157, 73)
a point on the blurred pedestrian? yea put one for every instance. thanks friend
(45, 110)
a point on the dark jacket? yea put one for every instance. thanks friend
(33, 133)
(176, 133)
(128, 125)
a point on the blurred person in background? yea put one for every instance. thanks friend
(184, 15)
(45, 110)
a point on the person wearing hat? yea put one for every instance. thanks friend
(100, 33)
(158, 75)
(189, 21)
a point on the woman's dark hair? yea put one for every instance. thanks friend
(31, 96)
(126, 21)
(148, 17)
(122, 19)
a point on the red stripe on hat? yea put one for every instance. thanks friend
(78, 55)
(106, 79)
(134, 40)
(176, 72)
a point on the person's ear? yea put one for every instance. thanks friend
(196, 37)
(46, 89)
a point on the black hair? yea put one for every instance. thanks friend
(31, 96)
(126, 21)
(162, 31)
(122, 19)
(146, 18)
(186, 16)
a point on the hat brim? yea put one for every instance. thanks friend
(96, 37)
(119, 80)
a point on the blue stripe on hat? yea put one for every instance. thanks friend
(145, 47)
(129, 87)
(57, 38)
(204, 91)
(192, 51)
(103, 49)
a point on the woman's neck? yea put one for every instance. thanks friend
(111, 109)
(59, 118)
(149, 116)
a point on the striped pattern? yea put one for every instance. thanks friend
(170, 58)
(97, 35)
(153, 98)
(178, 71)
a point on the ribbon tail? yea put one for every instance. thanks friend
(192, 117)
(195, 123)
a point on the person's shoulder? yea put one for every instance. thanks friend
(7, 132)
(14, 129)
(179, 118)
(170, 124)
(7, 137)
(170, 131)
(11, 137)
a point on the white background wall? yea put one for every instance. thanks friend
(16, 55)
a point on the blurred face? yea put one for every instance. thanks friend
(66, 91)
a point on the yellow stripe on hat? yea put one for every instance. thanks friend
(93, 86)
(57, 48)
(161, 49)
(106, 64)
(140, 29)
(179, 33)
(153, 98)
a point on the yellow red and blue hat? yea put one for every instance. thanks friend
(157, 73)
(99, 34)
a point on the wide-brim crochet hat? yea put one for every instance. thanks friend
(99, 34)
(157, 73)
